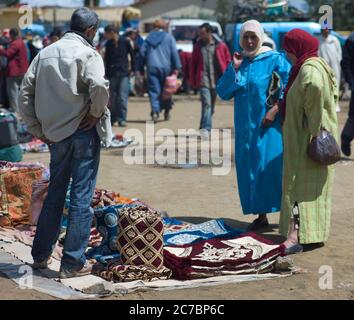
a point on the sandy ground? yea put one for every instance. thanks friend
(194, 194)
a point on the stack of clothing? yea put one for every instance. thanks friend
(119, 141)
(179, 233)
(106, 224)
(131, 241)
(140, 243)
(245, 254)
(35, 145)
(106, 205)
(104, 198)
(28, 142)
(117, 272)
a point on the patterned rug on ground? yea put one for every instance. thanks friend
(14, 243)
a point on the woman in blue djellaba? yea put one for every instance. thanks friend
(256, 79)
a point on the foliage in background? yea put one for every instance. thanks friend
(89, 3)
(223, 12)
(343, 12)
(241, 10)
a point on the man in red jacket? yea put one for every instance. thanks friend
(16, 55)
(210, 59)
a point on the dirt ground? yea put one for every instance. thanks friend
(194, 194)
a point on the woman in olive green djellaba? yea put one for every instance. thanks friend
(309, 105)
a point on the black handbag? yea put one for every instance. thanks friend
(324, 149)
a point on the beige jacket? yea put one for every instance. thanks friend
(63, 83)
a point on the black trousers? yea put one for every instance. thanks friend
(4, 101)
(348, 130)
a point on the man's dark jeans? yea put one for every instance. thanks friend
(119, 90)
(76, 157)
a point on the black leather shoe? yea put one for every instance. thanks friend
(167, 115)
(346, 148)
(258, 224)
(312, 246)
(154, 116)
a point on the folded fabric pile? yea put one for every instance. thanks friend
(35, 145)
(119, 141)
(106, 224)
(117, 272)
(140, 240)
(16, 181)
(140, 243)
(245, 254)
(23, 135)
(104, 198)
(172, 225)
(95, 238)
(131, 241)
(178, 234)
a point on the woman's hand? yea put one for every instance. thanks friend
(237, 60)
(270, 116)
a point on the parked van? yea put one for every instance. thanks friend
(185, 31)
(276, 31)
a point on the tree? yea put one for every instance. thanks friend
(223, 12)
(91, 3)
(343, 15)
(7, 3)
(343, 12)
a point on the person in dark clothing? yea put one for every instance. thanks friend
(210, 59)
(159, 54)
(118, 49)
(347, 65)
(16, 54)
(55, 35)
(31, 47)
(4, 102)
(132, 36)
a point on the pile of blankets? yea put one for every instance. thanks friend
(131, 241)
(244, 254)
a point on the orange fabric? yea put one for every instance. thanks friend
(121, 200)
(15, 194)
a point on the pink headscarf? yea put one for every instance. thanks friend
(304, 46)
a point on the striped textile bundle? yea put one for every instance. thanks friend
(140, 240)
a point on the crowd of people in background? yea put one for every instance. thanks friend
(134, 65)
(280, 104)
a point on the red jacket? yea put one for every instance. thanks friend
(16, 54)
(186, 58)
(222, 60)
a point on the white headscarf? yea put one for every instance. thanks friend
(255, 27)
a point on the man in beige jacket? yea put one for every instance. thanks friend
(63, 95)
